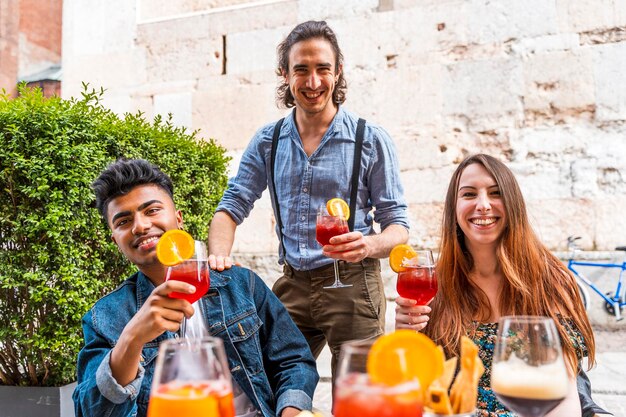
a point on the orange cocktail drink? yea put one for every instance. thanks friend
(202, 398)
(357, 396)
(191, 378)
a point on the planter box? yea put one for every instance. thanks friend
(37, 401)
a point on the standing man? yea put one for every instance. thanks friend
(312, 163)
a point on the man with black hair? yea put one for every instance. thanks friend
(271, 365)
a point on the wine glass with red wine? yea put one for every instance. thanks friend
(417, 280)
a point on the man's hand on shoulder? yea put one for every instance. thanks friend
(220, 263)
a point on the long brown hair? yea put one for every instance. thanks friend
(536, 282)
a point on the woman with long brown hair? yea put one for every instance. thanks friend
(491, 264)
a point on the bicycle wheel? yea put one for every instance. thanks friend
(584, 294)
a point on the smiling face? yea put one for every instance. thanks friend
(312, 76)
(137, 220)
(480, 211)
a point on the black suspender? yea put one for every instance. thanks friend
(354, 184)
(272, 165)
(356, 167)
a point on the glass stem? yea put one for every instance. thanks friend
(183, 328)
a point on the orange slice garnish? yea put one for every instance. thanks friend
(398, 255)
(338, 207)
(402, 356)
(174, 247)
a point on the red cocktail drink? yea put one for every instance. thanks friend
(192, 272)
(328, 227)
(357, 396)
(418, 283)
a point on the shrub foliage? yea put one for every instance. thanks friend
(56, 255)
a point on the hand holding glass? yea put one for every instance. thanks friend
(326, 228)
(418, 280)
(191, 378)
(528, 373)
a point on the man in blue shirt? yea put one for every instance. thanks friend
(273, 371)
(315, 147)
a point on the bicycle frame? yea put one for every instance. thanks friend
(615, 300)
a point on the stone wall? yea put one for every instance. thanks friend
(539, 84)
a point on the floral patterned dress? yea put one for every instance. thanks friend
(484, 336)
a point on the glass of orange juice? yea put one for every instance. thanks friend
(191, 378)
(356, 395)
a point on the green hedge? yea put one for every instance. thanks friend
(56, 255)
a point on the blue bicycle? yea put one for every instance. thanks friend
(613, 301)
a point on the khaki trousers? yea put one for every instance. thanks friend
(334, 315)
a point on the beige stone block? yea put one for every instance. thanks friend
(119, 72)
(232, 113)
(425, 186)
(94, 27)
(501, 21)
(401, 97)
(610, 81)
(425, 222)
(243, 18)
(585, 178)
(433, 26)
(255, 51)
(365, 42)
(559, 85)
(257, 234)
(552, 144)
(484, 92)
(330, 9)
(420, 150)
(611, 222)
(555, 219)
(176, 105)
(174, 54)
(543, 180)
(583, 16)
(527, 47)
(163, 9)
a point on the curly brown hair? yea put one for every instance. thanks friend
(302, 32)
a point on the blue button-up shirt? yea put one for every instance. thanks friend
(305, 182)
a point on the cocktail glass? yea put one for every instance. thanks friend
(528, 373)
(357, 396)
(329, 226)
(191, 378)
(418, 280)
(194, 271)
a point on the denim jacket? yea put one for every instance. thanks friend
(267, 355)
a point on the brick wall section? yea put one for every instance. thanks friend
(539, 84)
(9, 23)
(30, 38)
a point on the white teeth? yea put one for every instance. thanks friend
(483, 222)
(150, 239)
(312, 95)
